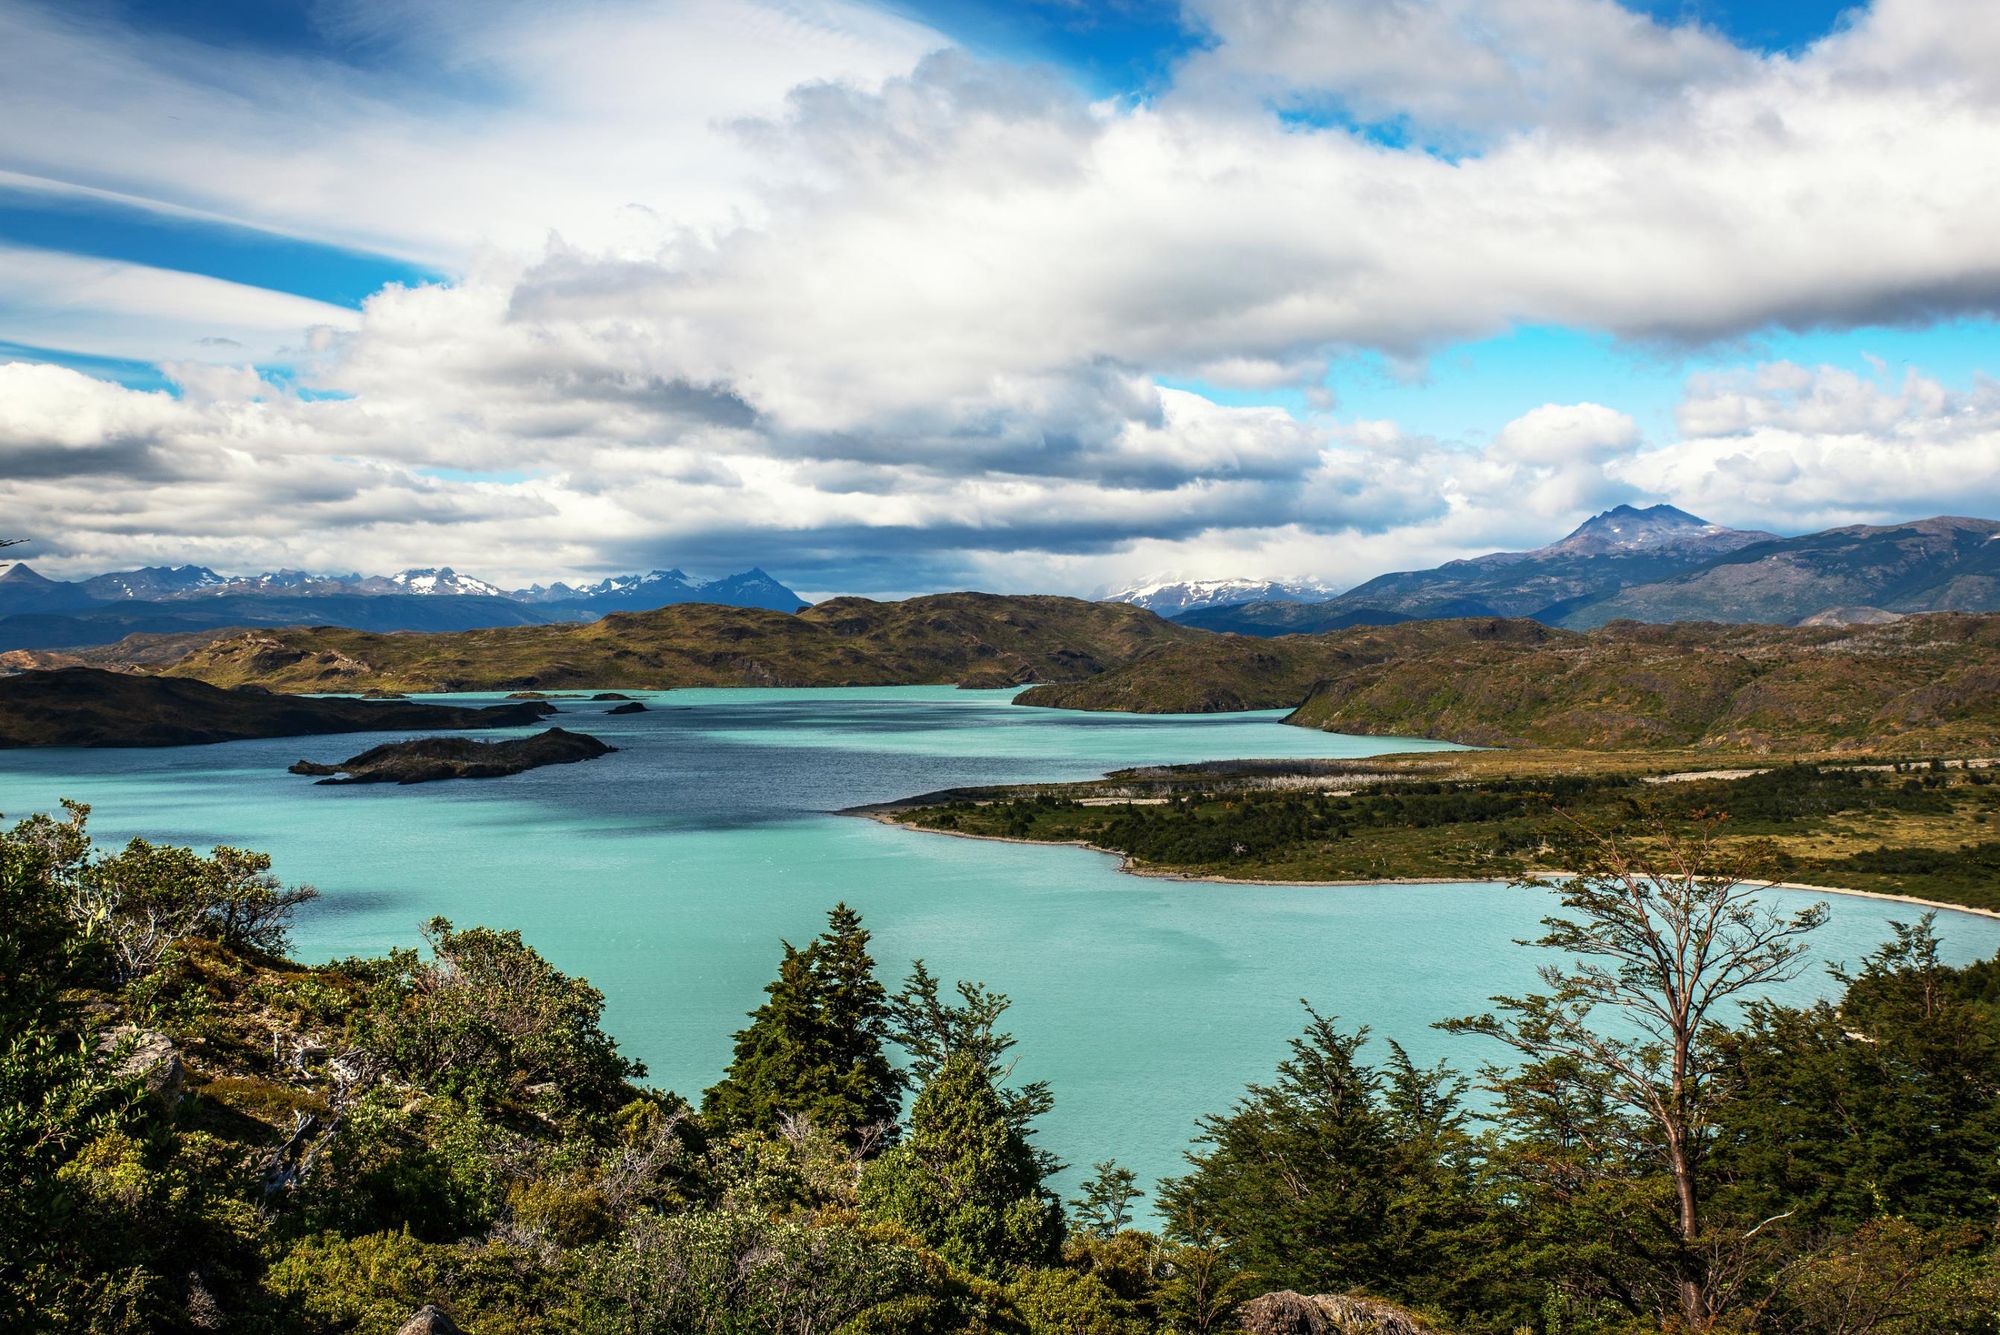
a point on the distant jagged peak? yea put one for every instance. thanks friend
(444, 581)
(152, 582)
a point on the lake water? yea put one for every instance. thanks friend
(668, 872)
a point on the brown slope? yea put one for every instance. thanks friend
(1231, 672)
(957, 638)
(1926, 685)
(1923, 684)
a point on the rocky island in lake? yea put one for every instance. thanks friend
(428, 759)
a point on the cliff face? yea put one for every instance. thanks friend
(91, 707)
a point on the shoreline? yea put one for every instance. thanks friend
(1125, 866)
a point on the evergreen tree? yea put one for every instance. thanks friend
(814, 1049)
(1885, 1105)
(965, 1179)
(1103, 1204)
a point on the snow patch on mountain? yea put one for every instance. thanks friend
(1169, 595)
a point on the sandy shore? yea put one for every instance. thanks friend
(1125, 865)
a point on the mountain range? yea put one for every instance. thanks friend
(1173, 598)
(1663, 564)
(38, 613)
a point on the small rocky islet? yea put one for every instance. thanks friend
(430, 759)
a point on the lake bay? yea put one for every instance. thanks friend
(668, 872)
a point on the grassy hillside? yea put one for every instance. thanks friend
(972, 639)
(1926, 685)
(1219, 674)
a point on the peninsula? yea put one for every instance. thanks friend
(92, 707)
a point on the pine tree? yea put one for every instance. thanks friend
(814, 1048)
(965, 1179)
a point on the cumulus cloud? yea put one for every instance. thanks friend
(744, 281)
(1461, 71)
(1810, 447)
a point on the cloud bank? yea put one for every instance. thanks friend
(884, 316)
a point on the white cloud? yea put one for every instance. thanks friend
(1461, 70)
(816, 296)
(464, 126)
(1797, 448)
(112, 309)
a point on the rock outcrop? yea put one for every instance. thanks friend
(429, 1320)
(145, 1055)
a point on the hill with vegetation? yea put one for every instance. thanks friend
(1927, 684)
(1664, 565)
(203, 1134)
(1917, 828)
(1944, 564)
(1220, 674)
(92, 707)
(969, 639)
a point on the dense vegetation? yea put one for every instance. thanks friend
(1925, 684)
(1914, 828)
(976, 639)
(199, 1134)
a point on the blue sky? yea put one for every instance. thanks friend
(869, 289)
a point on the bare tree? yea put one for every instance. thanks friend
(1656, 942)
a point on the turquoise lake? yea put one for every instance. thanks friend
(667, 874)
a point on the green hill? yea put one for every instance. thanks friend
(1921, 685)
(1222, 673)
(971, 639)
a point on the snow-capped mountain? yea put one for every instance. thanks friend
(1657, 528)
(22, 589)
(152, 582)
(668, 585)
(440, 581)
(1170, 597)
(293, 582)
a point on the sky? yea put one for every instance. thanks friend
(1029, 295)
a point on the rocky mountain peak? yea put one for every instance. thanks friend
(1629, 528)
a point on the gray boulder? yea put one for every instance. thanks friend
(429, 1320)
(146, 1055)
